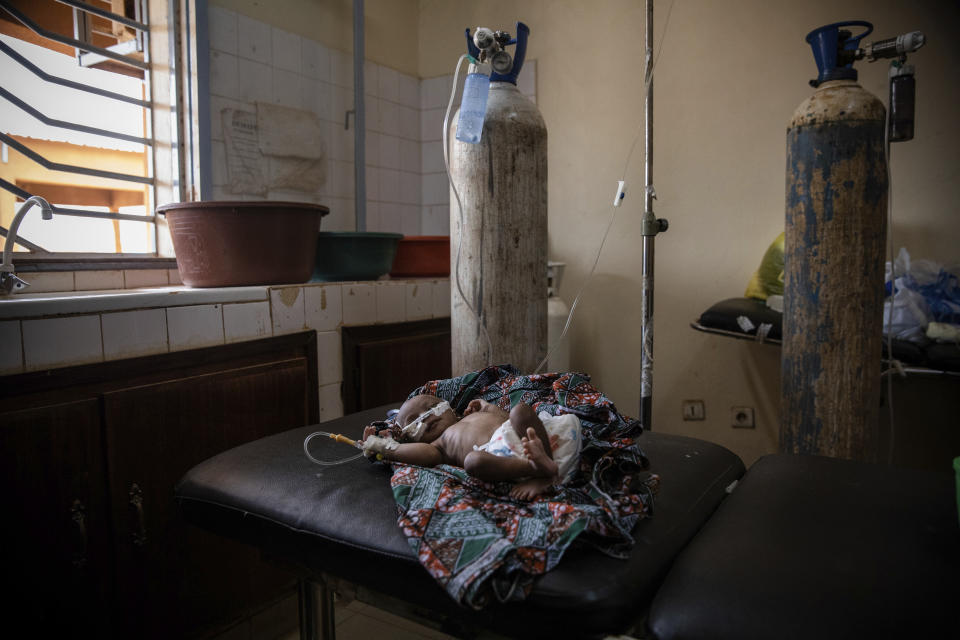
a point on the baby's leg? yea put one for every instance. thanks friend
(523, 418)
(540, 460)
(491, 468)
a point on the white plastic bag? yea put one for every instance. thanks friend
(910, 315)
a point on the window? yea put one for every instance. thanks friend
(89, 119)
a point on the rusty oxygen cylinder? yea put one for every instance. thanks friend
(502, 183)
(836, 220)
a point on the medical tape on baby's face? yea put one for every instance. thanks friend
(417, 425)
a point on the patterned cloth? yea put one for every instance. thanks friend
(479, 543)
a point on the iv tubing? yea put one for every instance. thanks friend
(333, 436)
(446, 164)
(613, 214)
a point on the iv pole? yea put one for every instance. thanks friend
(650, 227)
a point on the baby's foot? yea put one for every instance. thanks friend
(531, 488)
(543, 465)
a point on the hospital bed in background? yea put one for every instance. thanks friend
(797, 546)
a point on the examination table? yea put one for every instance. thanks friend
(803, 546)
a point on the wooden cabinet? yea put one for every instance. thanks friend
(92, 454)
(383, 363)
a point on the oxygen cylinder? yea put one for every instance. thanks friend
(836, 204)
(502, 183)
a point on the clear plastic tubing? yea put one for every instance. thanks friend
(325, 463)
(473, 107)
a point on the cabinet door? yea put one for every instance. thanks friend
(175, 577)
(55, 533)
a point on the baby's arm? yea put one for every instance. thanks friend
(478, 404)
(422, 454)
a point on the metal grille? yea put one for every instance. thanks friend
(132, 55)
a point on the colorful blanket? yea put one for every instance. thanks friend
(479, 543)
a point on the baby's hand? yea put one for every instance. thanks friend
(475, 406)
(371, 430)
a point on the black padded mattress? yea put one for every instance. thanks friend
(341, 521)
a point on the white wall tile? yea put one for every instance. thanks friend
(46, 282)
(371, 74)
(224, 74)
(93, 280)
(341, 179)
(331, 402)
(436, 188)
(341, 101)
(341, 68)
(128, 334)
(391, 219)
(256, 81)
(60, 342)
(329, 358)
(389, 151)
(431, 123)
(441, 299)
(137, 278)
(373, 216)
(431, 157)
(391, 302)
(11, 347)
(316, 97)
(323, 306)
(194, 326)
(247, 321)
(409, 123)
(410, 188)
(389, 185)
(222, 25)
(389, 84)
(389, 118)
(359, 304)
(435, 92)
(341, 142)
(373, 183)
(254, 40)
(174, 275)
(410, 219)
(371, 107)
(286, 88)
(409, 91)
(286, 304)
(315, 60)
(286, 50)
(372, 149)
(218, 163)
(410, 157)
(419, 300)
(435, 220)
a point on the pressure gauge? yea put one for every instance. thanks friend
(502, 62)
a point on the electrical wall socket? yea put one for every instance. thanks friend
(693, 410)
(742, 418)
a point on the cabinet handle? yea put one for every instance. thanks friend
(140, 528)
(78, 514)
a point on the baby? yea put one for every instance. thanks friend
(489, 443)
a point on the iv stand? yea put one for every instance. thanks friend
(650, 227)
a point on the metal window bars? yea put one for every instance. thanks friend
(84, 49)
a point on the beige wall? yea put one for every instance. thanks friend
(390, 25)
(730, 76)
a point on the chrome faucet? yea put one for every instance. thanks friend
(9, 282)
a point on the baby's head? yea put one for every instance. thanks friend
(433, 425)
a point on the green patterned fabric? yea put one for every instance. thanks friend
(477, 541)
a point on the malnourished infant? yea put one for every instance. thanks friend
(489, 443)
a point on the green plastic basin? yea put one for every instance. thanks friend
(354, 255)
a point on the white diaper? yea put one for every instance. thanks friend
(564, 434)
